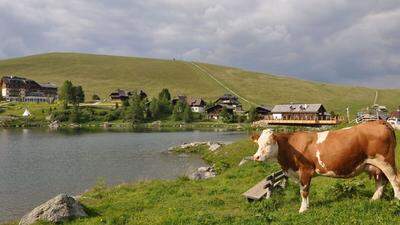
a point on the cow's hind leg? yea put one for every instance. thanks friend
(380, 181)
(389, 171)
(305, 181)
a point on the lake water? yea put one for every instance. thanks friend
(36, 165)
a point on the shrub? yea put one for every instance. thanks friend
(346, 189)
(95, 97)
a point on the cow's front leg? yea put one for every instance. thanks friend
(305, 181)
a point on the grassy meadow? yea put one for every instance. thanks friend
(219, 201)
(100, 74)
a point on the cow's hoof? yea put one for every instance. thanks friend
(302, 209)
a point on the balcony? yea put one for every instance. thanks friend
(299, 120)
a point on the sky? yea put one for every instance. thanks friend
(355, 42)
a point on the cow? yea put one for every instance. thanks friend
(368, 147)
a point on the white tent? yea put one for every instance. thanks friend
(26, 113)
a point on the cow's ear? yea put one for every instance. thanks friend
(255, 137)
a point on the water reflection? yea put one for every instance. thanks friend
(38, 164)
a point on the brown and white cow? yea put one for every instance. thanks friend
(344, 153)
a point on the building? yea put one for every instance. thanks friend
(215, 111)
(197, 105)
(299, 111)
(230, 101)
(179, 98)
(299, 114)
(21, 89)
(121, 95)
(263, 110)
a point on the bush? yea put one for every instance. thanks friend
(347, 189)
(95, 97)
(60, 115)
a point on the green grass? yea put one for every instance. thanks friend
(219, 200)
(101, 74)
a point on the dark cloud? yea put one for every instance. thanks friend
(355, 42)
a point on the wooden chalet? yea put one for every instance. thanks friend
(300, 114)
(228, 101)
(196, 104)
(21, 89)
(263, 110)
(215, 111)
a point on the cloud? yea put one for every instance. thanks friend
(334, 41)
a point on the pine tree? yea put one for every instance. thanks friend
(164, 95)
(187, 114)
(136, 108)
(66, 93)
(226, 116)
(79, 95)
(155, 109)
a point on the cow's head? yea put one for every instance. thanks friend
(267, 145)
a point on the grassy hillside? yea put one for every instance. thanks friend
(219, 200)
(101, 74)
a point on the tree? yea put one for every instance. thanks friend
(226, 116)
(66, 94)
(71, 94)
(136, 108)
(95, 97)
(78, 95)
(178, 111)
(74, 117)
(164, 95)
(154, 109)
(187, 114)
(125, 103)
(164, 98)
(252, 114)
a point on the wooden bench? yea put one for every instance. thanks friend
(266, 186)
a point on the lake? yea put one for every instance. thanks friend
(36, 165)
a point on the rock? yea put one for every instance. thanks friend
(245, 160)
(183, 155)
(106, 125)
(74, 125)
(54, 125)
(204, 172)
(60, 208)
(192, 144)
(214, 146)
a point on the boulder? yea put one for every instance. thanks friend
(214, 146)
(60, 208)
(54, 125)
(193, 144)
(245, 160)
(204, 172)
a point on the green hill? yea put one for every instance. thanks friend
(101, 74)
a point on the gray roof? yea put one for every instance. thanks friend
(296, 108)
(48, 85)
